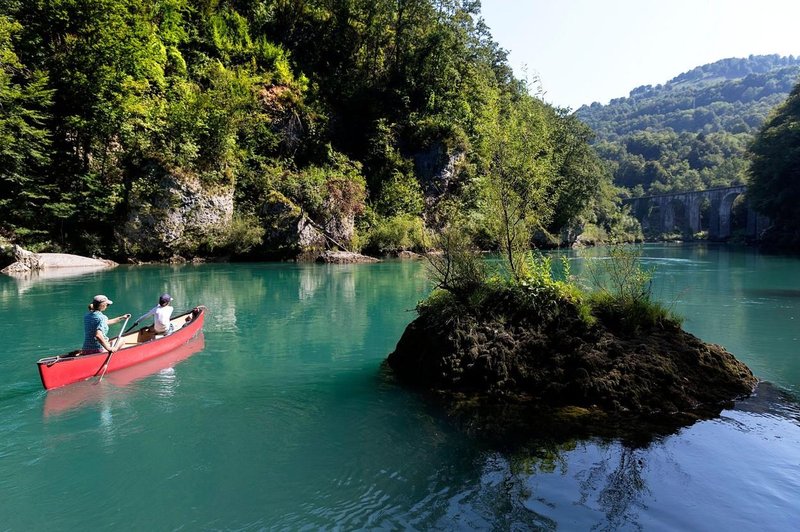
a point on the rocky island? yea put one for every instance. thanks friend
(541, 344)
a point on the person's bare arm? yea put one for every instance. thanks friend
(103, 340)
(118, 319)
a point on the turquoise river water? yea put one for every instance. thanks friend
(281, 416)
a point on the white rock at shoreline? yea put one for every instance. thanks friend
(28, 261)
(344, 257)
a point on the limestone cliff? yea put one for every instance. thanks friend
(175, 215)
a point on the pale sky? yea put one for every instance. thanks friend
(584, 51)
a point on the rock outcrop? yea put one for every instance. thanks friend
(175, 215)
(344, 257)
(288, 230)
(564, 363)
(438, 169)
(291, 234)
(28, 262)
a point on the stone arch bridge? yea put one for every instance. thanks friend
(692, 212)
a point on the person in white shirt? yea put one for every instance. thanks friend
(161, 316)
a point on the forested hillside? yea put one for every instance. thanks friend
(775, 174)
(693, 131)
(148, 128)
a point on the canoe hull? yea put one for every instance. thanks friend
(64, 369)
(117, 384)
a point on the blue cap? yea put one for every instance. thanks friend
(164, 299)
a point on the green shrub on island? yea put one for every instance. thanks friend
(538, 299)
(620, 295)
(630, 316)
(621, 298)
(470, 291)
(456, 266)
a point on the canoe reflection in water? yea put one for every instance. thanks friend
(88, 392)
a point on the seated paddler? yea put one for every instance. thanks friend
(95, 327)
(162, 313)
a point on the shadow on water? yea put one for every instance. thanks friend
(772, 292)
(510, 427)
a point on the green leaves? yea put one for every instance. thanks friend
(25, 102)
(407, 105)
(519, 173)
(775, 170)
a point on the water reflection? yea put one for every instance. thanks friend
(27, 280)
(617, 481)
(308, 283)
(618, 485)
(594, 483)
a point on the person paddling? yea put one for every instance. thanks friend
(95, 327)
(162, 313)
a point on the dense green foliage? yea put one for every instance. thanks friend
(691, 133)
(775, 171)
(357, 113)
(24, 142)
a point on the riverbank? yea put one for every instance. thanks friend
(17, 261)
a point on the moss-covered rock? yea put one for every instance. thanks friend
(507, 355)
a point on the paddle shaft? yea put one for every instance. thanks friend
(116, 341)
(135, 323)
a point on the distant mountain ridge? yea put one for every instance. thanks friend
(692, 131)
(735, 68)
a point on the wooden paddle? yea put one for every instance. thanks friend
(108, 358)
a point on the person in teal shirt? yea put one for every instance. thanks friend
(95, 326)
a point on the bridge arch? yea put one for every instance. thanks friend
(675, 215)
(726, 212)
(685, 211)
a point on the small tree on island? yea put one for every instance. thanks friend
(514, 188)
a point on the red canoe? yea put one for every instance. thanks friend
(137, 347)
(117, 384)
